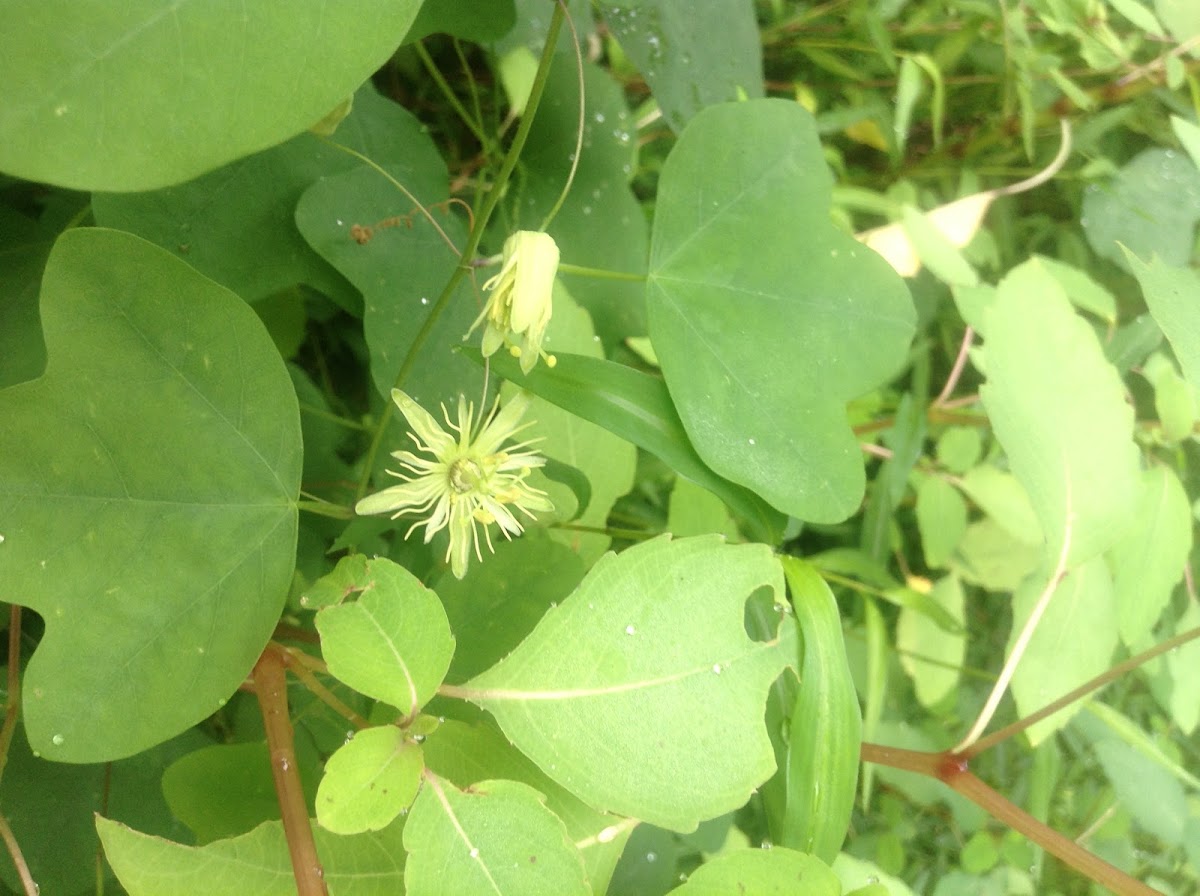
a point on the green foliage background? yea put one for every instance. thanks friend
(803, 503)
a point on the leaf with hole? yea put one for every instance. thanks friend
(659, 713)
(393, 643)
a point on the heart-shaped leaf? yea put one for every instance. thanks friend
(765, 318)
(147, 497)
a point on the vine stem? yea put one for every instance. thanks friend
(27, 882)
(951, 769)
(562, 197)
(269, 683)
(960, 362)
(473, 239)
(13, 709)
(1080, 692)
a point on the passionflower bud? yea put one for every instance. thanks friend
(519, 308)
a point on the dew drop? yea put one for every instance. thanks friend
(717, 669)
(339, 222)
(57, 740)
(284, 764)
(752, 442)
(587, 209)
(424, 300)
(1, 539)
(651, 857)
(766, 844)
(474, 852)
(599, 116)
(630, 630)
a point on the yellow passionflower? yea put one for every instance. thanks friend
(466, 482)
(519, 308)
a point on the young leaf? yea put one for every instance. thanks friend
(369, 781)
(1058, 408)
(494, 839)
(941, 519)
(147, 489)
(763, 872)
(1004, 500)
(757, 355)
(920, 639)
(171, 93)
(393, 643)
(658, 713)
(826, 725)
(257, 862)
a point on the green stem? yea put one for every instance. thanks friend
(598, 273)
(473, 239)
(579, 126)
(629, 534)
(326, 508)
(313, 411)
(472, 125)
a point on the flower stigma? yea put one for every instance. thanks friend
(519, 309)
(460, 480)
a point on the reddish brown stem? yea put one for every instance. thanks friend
(1049, 839)
(952, 770)
(14, 850)
(270, 686)
(12, 710)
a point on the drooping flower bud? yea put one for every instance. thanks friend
(519, 309)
